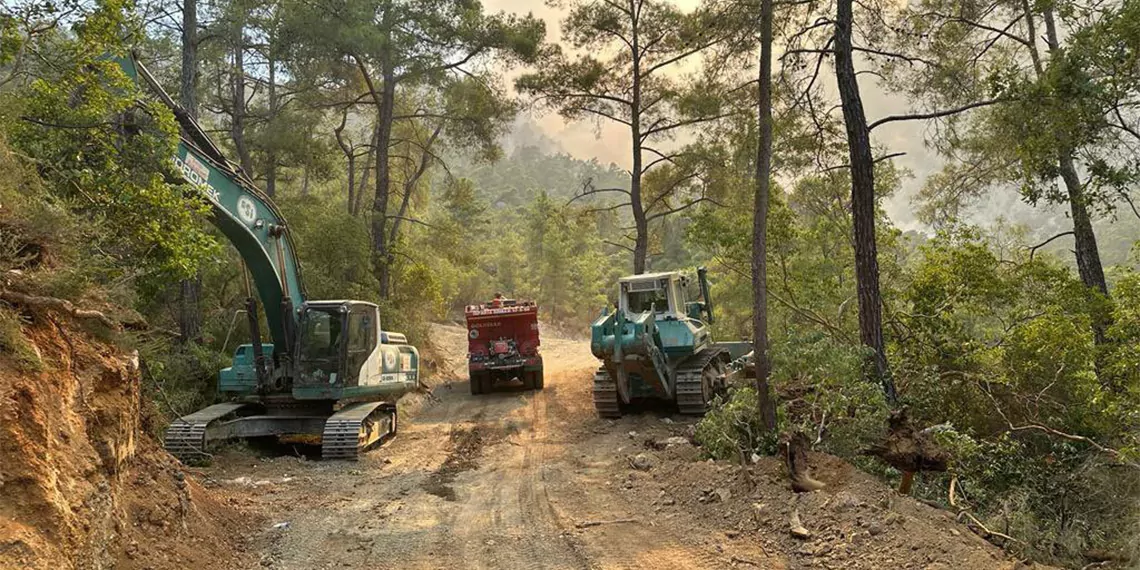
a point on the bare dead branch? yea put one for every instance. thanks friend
(684, 206)
(589, 190)
(895, 55)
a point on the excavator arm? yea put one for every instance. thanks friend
(245, 215)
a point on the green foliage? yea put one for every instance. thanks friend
(992, 343)
(506, 228)
(104, 157)
(565, 263)
(14, 345)
(732, 428)
(334, 248)
(178, 380)
(821, 392)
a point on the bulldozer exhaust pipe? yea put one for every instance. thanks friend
(703, 279)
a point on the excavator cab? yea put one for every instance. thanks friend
(343, 353)
(335, 342)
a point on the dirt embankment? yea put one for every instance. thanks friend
(81, 485)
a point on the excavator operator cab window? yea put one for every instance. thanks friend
(322, 330)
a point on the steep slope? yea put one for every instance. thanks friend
(81, 485)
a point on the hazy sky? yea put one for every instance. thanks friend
(610, 142)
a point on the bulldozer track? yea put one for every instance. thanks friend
(691, 393)
(606, 400)
(356, 428)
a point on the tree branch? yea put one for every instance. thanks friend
(1114, 453)
(615, 244)
(683, 207)
(1033, 249)
(895, 55)
(680, 124)
(592, 190)
(412, 220)
(606, 209)
(935, 114)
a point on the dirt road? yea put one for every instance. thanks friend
(508, 480)
(520, 479)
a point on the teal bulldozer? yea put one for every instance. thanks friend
(656, 345)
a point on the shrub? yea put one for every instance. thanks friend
(14, 344)
(821, 393)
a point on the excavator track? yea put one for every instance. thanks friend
(692, 393)
(186, 437)
(356, 428)
(606, 399)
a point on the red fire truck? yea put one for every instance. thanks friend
(502, 344)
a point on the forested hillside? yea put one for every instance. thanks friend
(398, 139)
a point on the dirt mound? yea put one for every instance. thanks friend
(81, 485)
(855, 522)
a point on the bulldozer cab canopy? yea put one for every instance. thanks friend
(661, 292)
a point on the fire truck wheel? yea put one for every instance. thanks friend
(476, 380)
(538, 380)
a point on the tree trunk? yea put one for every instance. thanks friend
(1085, 249)
(409, 187)
(369, 161)
(237, 78)
(640, 224)
(351, 183)
(349, 152)
(862, 199)
(271, 152)
(189, 310)
(1087, 253)
(380, 250)
(794, 447)
(767, 406)
(188, 93)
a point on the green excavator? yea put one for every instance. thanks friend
(331, 372)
